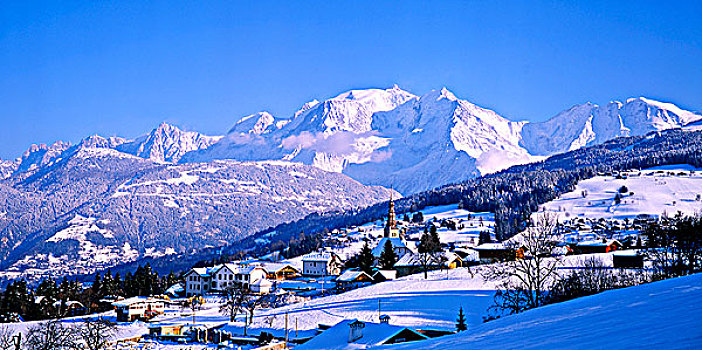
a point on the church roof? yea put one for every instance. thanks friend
(396, 243)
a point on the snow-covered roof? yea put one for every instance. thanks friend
(134, 300)
(275, 267)
(337, 336)
(318, 256)
(351, 275)
(490, 246)
(628, 252)
(262, 282)
(69, 303)
(396, 243)
(413, 259)
(598, 243)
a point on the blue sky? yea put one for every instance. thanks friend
(71, 69)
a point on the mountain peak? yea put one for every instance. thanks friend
(168, 143)
(258, 123)
(442, 94)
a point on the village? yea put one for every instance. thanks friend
(196, 311)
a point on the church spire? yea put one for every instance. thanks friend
(391, 230)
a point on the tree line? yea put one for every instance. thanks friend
(52, 298)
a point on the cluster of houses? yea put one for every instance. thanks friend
(259, 277)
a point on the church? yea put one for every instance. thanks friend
(392, 233)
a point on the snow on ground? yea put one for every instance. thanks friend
(473, 224)
(410, 301)
(659, 315)
(656, 190)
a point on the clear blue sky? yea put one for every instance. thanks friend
(71, 69)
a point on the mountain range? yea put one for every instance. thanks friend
(391, 137)
(173, 190)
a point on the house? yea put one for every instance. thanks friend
(494, 252)
(280, 271)
(383, 275)
(202, 280)
(70, 308)
(168, 331)
(596, 246)
(197, 281)
(136, 308)
(353, 278)
(355, 334)
(628, 259)
(262, 286)
(321, 264)
(413, 263)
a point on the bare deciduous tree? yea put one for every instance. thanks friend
(233, 301)
(527, 278)
(52, 335)
(9, 340)
(96, 333)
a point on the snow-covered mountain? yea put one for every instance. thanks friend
(150, 206)
(588, 124)
(167, 143)
(383, 137)
(391, 137)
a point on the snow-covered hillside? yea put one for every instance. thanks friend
(92, 199)
(658, 315)
(653, 191)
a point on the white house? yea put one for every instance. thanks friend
(321, 264)
(202, 280)
(197, 281)
(262, 286)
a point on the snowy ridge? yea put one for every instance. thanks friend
(391, 137)
(588, 124)
(168, 143)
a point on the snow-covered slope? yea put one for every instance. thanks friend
(653, 191)
(588, 124)
(148, 204)
(658, 315)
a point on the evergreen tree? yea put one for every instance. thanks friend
(461, 321)
(484, 237)
(97, 284)
(388, 258)
(429, 242)
(366, 258)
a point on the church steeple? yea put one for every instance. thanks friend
(391, 230)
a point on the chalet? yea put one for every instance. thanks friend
(596, 246)
(412, 263)
(138, 308)
(358, 334)
(494, 252)
(321, 264)
(70, 308)
(280, 271)
(383, 275)
(174, 332)
(353, 278)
